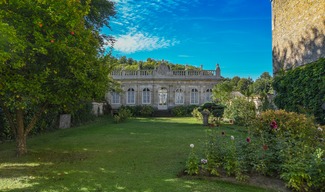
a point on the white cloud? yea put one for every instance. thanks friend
(134, 42)
(184, 56)
(138, 25)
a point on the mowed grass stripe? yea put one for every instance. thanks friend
(143, 154)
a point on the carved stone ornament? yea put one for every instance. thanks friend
(163, 69)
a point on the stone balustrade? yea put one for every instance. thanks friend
(143, 74)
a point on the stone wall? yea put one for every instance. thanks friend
(298, 32)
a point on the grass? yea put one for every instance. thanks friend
(141, 155)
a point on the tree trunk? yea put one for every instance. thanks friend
(20, 133)
(21, 145)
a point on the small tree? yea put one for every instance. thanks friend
(51, 59)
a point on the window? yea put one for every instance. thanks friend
(208, 95)
(194, 96)
(146, 96)
(115, 98)
(179, 96)
(130, 96)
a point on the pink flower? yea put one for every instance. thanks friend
(274, 125)
(248, 139)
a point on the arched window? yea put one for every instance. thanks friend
(179, 96)
(208, 95)
(115, 98)
(194, 96)
(146, 96)
(130, 96)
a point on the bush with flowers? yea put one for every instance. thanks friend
(280, 144)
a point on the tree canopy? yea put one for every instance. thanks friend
(51, 57)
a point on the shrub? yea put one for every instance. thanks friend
(241, 111)
(217, 110)
(183, 110)
(196, 113)
(286, 124)
(146, 111)
(282, 144)
(140, 110)
(123, 115)
(179, 111)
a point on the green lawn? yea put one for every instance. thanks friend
(141, 155)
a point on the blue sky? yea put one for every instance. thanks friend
(234, 33)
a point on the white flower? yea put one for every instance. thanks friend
(319, 129)
(232, 137)
(192, 145)
(204, 161)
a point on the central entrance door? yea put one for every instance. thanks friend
(162, 94)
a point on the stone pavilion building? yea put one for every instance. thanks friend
(163, 88)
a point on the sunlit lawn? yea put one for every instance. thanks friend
(140, 155)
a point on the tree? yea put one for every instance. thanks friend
(222, 91)
(53, 59)
(235, 81)
(245, 86)
(262, 87)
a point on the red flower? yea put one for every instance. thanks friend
(72, 33)
(40, 25)
(265, 147)
(52, 41)
(274, 125)
(248, 140)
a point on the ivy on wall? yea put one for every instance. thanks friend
(302, 90)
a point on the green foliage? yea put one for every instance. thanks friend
(53, 52)
(295, 149)
(83, 114)
(281, 144)
(140, 110)
(288, 124)
(183, 110)
(123, 115)
(302, 90)
(215, 109)
(179, 111)
(150, 64)
(146, 111)
(245, 86)
(241, 111)
(192, 163)
(222, 91)
(196, 113)
(5, 131)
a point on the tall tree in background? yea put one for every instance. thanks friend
(52, 56)
(262, 87)
(222, 91)
(245, 86)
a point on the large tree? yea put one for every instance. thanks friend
(51, 57)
